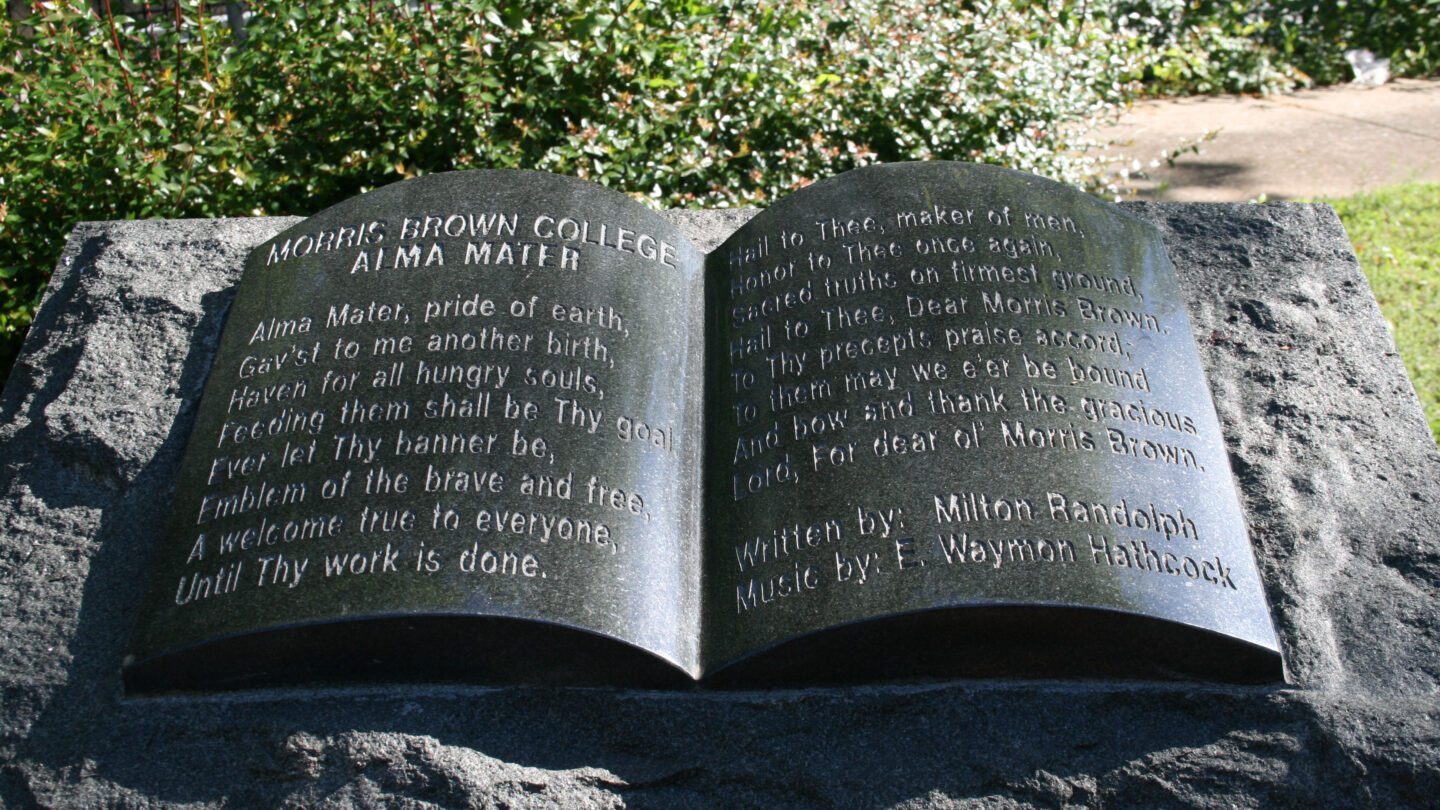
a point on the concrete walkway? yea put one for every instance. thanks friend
(1330, 142)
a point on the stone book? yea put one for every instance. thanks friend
(913, 421)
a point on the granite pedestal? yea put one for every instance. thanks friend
(1340, 482)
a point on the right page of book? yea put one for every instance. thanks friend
(960, 424)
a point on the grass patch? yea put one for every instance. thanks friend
(1396, 234)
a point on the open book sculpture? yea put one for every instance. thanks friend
(915, 420)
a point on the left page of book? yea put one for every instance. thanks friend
(449, 424)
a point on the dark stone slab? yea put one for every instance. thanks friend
(1338, 477)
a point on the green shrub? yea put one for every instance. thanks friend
(1315, 35)
(1213, 46)
(681, 102)
(1205, 47)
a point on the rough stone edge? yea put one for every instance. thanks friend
(1390, 735)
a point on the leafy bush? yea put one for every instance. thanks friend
(1205, 47)
(1210, 46)
(680, 101)
(1315, 35)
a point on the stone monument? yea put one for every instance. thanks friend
(1338, 480)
